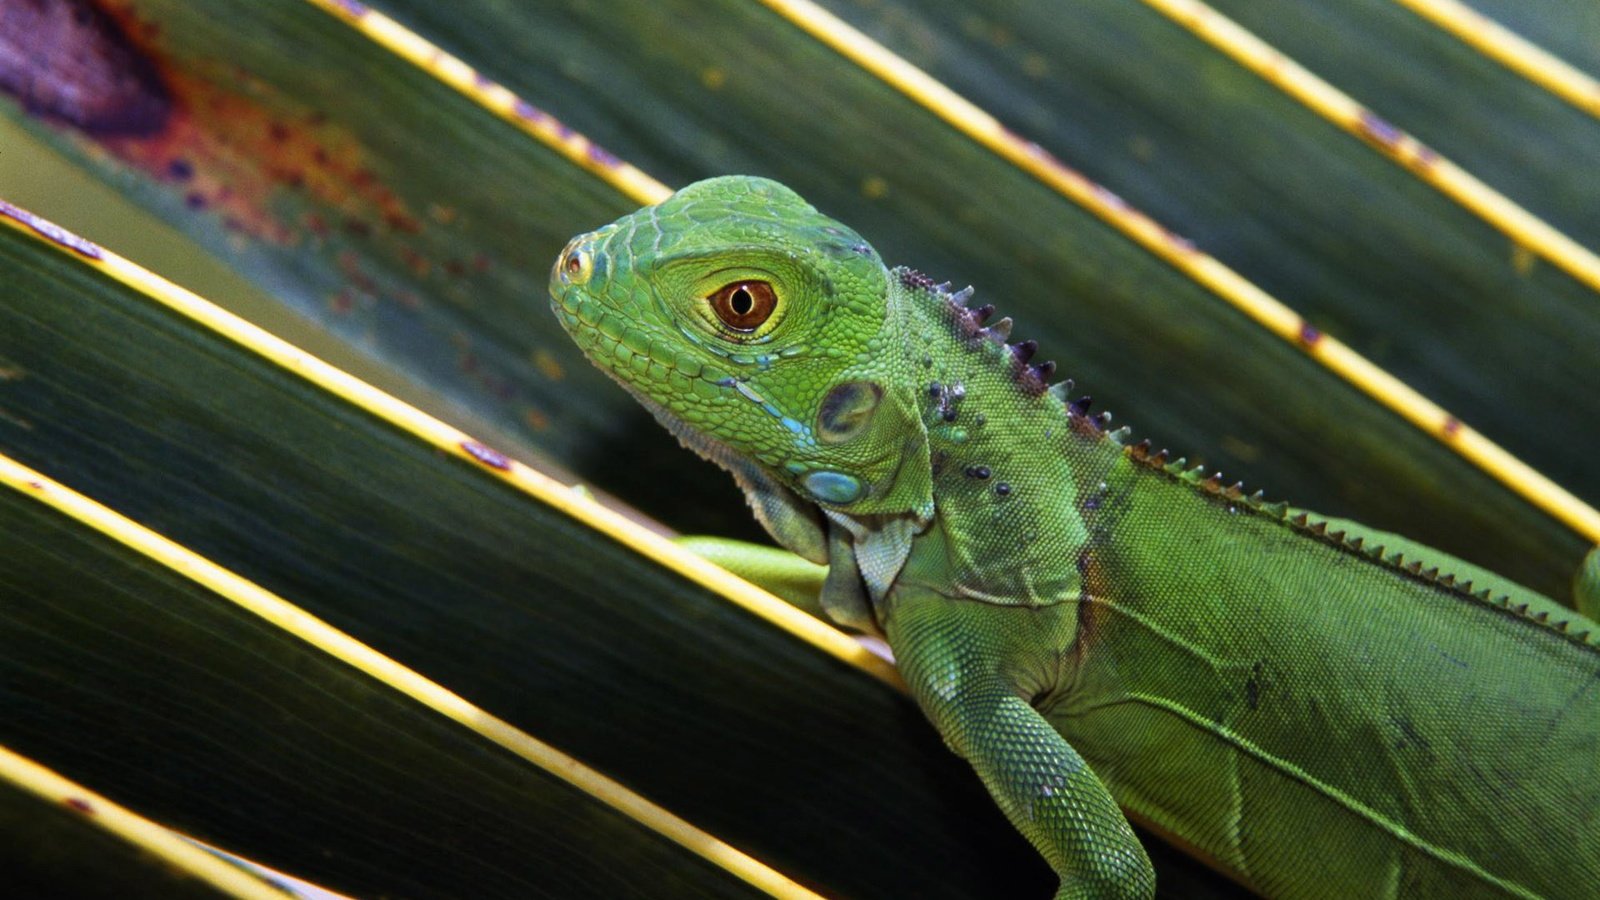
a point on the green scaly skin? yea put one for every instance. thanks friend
(1088, 624)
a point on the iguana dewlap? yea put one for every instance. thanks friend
(1314, 707)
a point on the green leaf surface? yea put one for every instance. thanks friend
(1366, 251)
(1514, 135)
(1563, 27)
(52, 850)
(367, 196)
(128, 677)
(415, 226)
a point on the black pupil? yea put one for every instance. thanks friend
(742, 302)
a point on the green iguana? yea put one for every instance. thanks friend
(1313, 707)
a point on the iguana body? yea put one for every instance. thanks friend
(1088, 624)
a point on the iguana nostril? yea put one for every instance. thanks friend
(576, 266)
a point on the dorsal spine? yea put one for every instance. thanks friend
(971, 325)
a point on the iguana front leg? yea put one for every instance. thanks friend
(955, 660)
(784, 574)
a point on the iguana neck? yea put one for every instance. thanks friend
(1017, 473)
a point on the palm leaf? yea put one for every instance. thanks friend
(379, 198)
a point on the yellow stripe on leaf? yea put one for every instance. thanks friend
(451, 440)
(1511, 50)
(133, 828)
(496, 98)
(1427, 165)
(1238, 291)
(284, 615)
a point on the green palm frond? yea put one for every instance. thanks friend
(279, 158)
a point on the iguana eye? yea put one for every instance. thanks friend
(744, 305)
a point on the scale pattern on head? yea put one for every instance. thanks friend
(737, 310)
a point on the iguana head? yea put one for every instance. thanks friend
(752, 324)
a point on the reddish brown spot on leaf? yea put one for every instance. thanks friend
(548, 365)
(402, 222)
(415, 261)
(1452, 427)
(79, 804)
(70, 61)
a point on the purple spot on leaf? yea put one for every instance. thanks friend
(50, 230)
(1309, 335)
(70, 60)
(1379, 130)
(490, 457)
(522, 109)
(603, 157)
(1110, 197)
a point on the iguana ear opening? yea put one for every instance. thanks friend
(896, 475)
